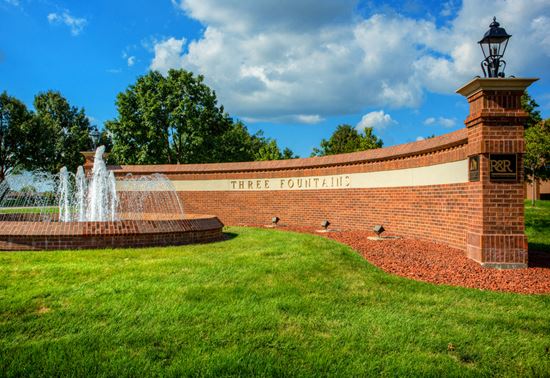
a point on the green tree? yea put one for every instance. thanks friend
(269, 151)
(237, 144)
(530, 106)
(288, 154)
(173, 119)
(13, 115)
(537, 153)
(347, 139)
(140, 131)
(369, 141)
(65, 132)
(176, 119)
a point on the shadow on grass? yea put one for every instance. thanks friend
(229, 235)
(539, 247)
(539, 259)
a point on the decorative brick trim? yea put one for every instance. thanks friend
(421, 149)
(121, 234)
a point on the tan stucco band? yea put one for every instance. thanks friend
(439, 174)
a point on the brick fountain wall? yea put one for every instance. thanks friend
(423, 190)
(31, 235)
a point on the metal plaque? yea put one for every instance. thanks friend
(473, 168)
(503, 167)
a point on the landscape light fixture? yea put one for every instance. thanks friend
(325, 224)
(94, 134)
(493, 45)
(274, 221)
(378, 229)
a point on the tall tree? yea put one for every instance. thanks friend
(65, 133)
(196, 122)
(237, 144)
(530, 106)
(537, 153)
(176, 119)
(173, 119)
(347, 139)
(140, 131)
(13, 116)
(269, 151)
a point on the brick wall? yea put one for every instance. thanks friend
(29, 235)
(434, 212)
(483, 218)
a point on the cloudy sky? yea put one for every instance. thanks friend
(294, 68)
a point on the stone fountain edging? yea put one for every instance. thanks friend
(33, 236)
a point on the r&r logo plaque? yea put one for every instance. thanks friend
(503, 167)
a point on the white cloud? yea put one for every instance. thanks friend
(448, 8)
(310, 119)
(168, 55)
(276, 59)
(131, 61)
(447, 122)
(429, 121)
(440, 121)
(76, 25)
(378, 120)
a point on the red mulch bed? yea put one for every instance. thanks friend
(440, 264)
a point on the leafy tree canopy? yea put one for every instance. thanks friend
(58, 131)
(177, 119)
(530, 106)
(347, 139)
(537, 155)
(13, 116)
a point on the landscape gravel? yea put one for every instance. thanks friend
(441, 264)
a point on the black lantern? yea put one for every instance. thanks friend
(493, 44)
(94, 134)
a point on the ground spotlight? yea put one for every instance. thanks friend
(325, 224)
(378, 229)
(275, 220)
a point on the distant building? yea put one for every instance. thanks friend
(541, 192)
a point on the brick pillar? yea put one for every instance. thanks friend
(496, 231)
(88, 161)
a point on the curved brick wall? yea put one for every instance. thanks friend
(417, 189)
(18, 235)
(420, 189)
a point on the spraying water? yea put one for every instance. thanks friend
(64, 196)
(81, 190)
(102, 193)
(67, 197)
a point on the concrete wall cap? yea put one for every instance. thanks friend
(495, 84)
(426, 146)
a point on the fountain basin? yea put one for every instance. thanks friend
(155, 230)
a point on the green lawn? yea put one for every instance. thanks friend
(266, 303)
(537, 225)
(29, 210)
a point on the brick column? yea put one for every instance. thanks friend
(496, 232)
(89, 157)
(88, 161)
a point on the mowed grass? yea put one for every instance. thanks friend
(29, 210)
(537, 225)
(266, 303)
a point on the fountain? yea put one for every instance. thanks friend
(72, 211)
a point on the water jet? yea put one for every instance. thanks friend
(41, 211)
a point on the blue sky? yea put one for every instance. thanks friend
(293, 68)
